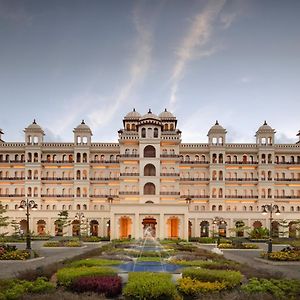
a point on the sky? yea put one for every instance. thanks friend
(234, 61)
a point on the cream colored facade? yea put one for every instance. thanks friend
(150, 178)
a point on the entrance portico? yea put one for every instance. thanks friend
(169, 222)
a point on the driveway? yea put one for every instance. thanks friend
(248, 257)
(47, 256)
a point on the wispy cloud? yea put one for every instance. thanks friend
(194, 44)
(137, 71)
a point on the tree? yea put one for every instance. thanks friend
(16, 227)
(62, 222)
(259, 233)
(3, 220)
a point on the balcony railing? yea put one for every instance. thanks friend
(104, 196)
(6, 161)
(195, 196)
(128, 193)
(241, 162)
(57, 161)
(287, 197)
(129, 155)
(57, 195)
(170, 193)
(12, 178)
(241, 179)
(288, 163)
(169, 174)
(193, 162)
(57, 178)
(287, 179)
(194, 179)
(241, 197)
(104, 178)
(129, 174)
(12, 195)
(169, 155)
(104, 161)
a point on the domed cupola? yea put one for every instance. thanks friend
(34, 134)
(169, 121)
(82, 134)
(1, 132)
(216, 134)
(132, 115)
(265, 134)
(150, 118)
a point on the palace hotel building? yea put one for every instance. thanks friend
(149, 178)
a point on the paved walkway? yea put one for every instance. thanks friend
(248, 257)
(9, 269)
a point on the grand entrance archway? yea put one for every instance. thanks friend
(151, 224)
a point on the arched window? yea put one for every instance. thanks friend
(78, 157)
(149, 189)
(149, 151)
(155, 133)
(78, 174)
(149, 170)
(143, 132)
(84, 157)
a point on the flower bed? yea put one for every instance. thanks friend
(145, 285)
(8, 252)
(229, 278)
(237, 246)
(63, 243)
(282, 255)
(207, 264)
(110, 286)
(15, 289)
(66, 276)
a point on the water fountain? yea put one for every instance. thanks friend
(149, 244)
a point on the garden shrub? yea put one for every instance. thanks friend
(91, 262)
(145, 285)
(110, 286)
(66, 276)
(203, 240)
(192, 287)
(208, 264)
(15, 289)
(72, 244)
(279, 288)
(91, 239)
(230, 278)
(63, 243)
(282, 255)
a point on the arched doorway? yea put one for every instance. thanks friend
(23, 227)
(41, 227)
(75, 228)
(190, 229)
(257, 224)
(149, 188)
(125, 227)
(173, 228)
(222, 229)
(149, 151)
(149, 223)
(94, 227)
(204, 229)
(149, 170)
(239, 225)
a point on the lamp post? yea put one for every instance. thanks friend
(28, 204)
(80, 217)
(271, 208)
(217, 221)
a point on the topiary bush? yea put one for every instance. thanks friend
(66, 276)
(192, 287)
(91, 262)
(110, 286)
(145, 285)
(230, 278)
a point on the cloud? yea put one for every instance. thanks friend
(14, 12)
(227, 19)
(245, 79)
(194, 44)
(137, 71)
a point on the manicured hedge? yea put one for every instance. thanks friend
(66, 276)
(110, 286)
(62, 244)
(207, 264)
(230, 278)
(145, 285)
(15, 289)
(280, 288)
(192, 287)
(91, 262)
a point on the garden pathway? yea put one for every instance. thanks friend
(9, 269)
(249, 257)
